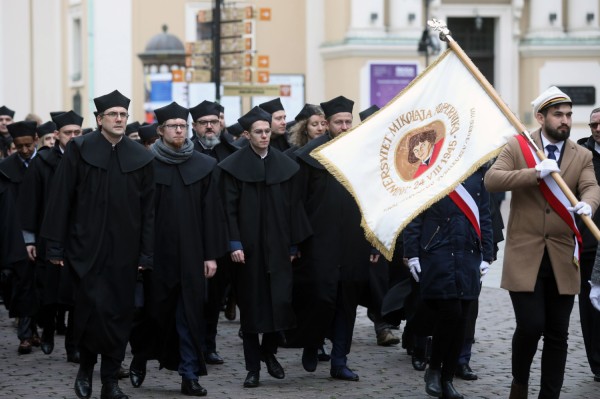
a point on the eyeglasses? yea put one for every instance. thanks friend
(593, 125)
(212, 122)
(183, 126)
(113, 115)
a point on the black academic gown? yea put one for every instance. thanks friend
(12, 246)
(280, 142)
(190, 229)
(263, 214)
(100, 219)
(53, 282)
(219, 152)
(337, 251)
(24, 301)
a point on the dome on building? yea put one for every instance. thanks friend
(164, 43)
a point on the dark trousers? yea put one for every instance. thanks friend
(109, 366)
(589, 316)
(542, 312)
(465, 352)
(47, 317)
(189, 365)
(448, 333)
(253, 349)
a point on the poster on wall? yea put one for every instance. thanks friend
(387, 80)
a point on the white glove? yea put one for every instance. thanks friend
(484, 268)
(595, 295)
(546, 167)
(415, 268)
(581, 208)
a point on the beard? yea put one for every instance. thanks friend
(558, 135)
(209, 143)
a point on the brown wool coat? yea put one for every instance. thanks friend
(533, 224)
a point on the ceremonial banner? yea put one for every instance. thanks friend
(440, 129)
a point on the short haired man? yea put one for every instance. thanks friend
(148, 135)
(189, 232)
(279, 133)
(208, 129)
(55, 293)
(23, 303)
(265, 221)
(589, 316)
(336, 258)
(6, 118)
(540, 268)
(102, 227)
(132, 131)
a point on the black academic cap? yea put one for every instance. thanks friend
(337, 105)
(87, 130)
(132, 128)
(368, 112)
(236, 129)
(114, 99)
(46, 128)
(22, 128)
(221, 108)
(255, 114)
(171, 111)
(56, 113)
(148, 132)
(68, 118)
(7, 111)
(205, 108)
(306, 112)
(272, 106)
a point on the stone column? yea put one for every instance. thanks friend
(583, 18)
(367, 19)
(545, 19)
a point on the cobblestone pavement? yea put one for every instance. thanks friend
(384, 372)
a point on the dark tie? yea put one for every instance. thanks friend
(551, 148)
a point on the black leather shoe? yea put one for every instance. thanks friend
(419, 363)
(192, 388)
(252, 379)
(47, 344)
(449, 392)
(310, 359)
(73, 357)
(273, 366)
(464, 372)
(83, 383)
(343, 373)
(111, 390)
(433, 383)
(137, 372)
(213, 358)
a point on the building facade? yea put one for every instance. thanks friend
(60, 54)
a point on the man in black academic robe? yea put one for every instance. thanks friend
(189, 235)
(208, 139)
(265, 220)
(24, 301)
(102, 227)
(279, 133)
(53, 282)
(335, 260)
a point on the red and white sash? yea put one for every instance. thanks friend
(463, 199)
(554, 195)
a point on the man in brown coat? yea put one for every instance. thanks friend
(541, 269)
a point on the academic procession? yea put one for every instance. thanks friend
(435, 246)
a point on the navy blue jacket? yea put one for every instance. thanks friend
(448, 247)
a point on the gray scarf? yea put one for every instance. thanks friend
(171, 156)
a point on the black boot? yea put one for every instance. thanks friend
(111, 390)
(433, 382)
(192, 388)
(449, 392)
(83, 382)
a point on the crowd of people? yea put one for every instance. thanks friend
(141, 235)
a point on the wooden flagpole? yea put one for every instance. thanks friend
(445, 35)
